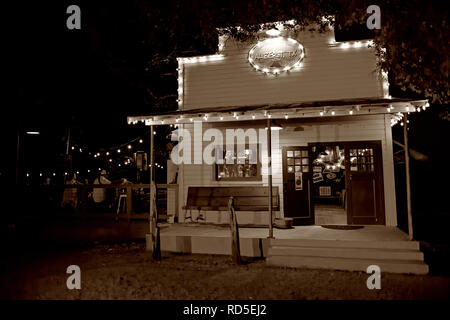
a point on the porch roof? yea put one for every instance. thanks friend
(326, 108)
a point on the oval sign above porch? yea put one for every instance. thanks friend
(274, 55)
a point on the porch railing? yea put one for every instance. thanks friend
(119, 201)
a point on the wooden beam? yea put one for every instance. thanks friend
(151, 177)
(408, 181)
(399, 144)
(154, 229)
(269, 175)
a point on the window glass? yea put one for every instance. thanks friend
(242, 165)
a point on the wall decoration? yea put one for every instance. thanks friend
(275, 55)
(298, 181)
(325, 191)
(331, 176)
(317, 177)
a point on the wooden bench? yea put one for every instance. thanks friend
(248, 198)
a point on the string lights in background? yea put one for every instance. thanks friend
(111, 156)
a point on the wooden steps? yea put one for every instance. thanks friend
(390, 256)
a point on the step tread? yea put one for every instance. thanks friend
(353, 259)
(345, 248)
(380, 244)
(351, 264)
(371, 253)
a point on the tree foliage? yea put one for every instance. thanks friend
(412, 41)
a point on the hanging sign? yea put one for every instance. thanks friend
(317, 177)
(274, 55)
(298, 181)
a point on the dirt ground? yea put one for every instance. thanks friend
(127, 271)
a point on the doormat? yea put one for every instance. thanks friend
(339, 227)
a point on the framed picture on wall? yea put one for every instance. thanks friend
(317, 177)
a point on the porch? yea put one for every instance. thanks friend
(305, 246)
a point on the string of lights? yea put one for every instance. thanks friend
(114, 156)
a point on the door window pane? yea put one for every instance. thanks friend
(361, 159)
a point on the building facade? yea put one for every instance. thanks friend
(332, 158)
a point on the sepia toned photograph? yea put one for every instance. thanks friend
(232, 159)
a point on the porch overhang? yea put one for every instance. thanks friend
(330, 108)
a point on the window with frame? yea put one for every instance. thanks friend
(361, 159)
(240, 164)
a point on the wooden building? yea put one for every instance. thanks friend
(332, 162)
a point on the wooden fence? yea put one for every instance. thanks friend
(122, 201)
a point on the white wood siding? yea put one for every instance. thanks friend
(326, 73)
(357, 128)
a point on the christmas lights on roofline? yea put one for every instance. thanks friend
(174, 121)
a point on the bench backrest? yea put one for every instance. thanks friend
(251, 198)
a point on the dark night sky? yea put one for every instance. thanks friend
(73, 78)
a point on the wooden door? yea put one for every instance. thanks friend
(297, 185)
(365, 183)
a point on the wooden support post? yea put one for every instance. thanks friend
(177, 217)
(408, 182)
(235, 248)
(154, 229)
(269, 175)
